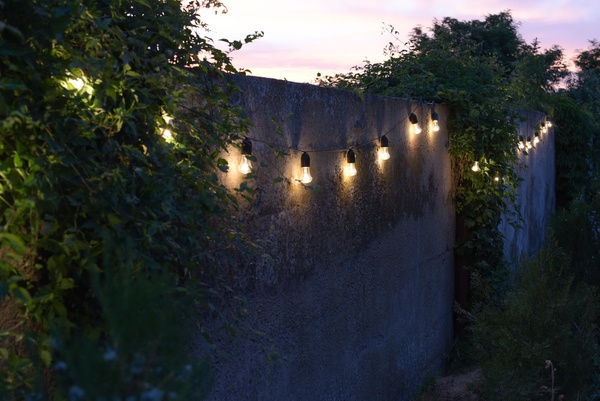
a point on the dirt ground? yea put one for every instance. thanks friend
(457, 385)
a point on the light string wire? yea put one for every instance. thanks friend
(420, 105)
(358, 145)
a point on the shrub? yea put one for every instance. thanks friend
(546, 316)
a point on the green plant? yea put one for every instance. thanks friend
(97, 203)
(546, 316)
(478, 70)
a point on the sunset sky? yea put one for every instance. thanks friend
(304, 37)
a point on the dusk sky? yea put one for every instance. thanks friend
(305, 37)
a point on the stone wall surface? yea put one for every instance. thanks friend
(536, 197)
(354, 291)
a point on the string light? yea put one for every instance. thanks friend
(383, 152)
(435, 118)
(415, 123)
(351, 159)
(166, 131)
(305, 164)
(475, 167)
(544, 128)
(245, 165)
(77, 83)
(549, 124)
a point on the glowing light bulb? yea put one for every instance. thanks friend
(436, 125)
(77, 83)
(496, 178)
(383, 152)
(521, 143)
(536, 138)
(475, 167)
(245, 166)
(351, 167)
(415, 123)
(305, 164)
(544, 129)
(528, 144)
(166, 132)
(549, 124)
(306, 177)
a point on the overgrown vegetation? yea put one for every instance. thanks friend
(547, 315)
(478, 69)
(484, 72)
(105, 218)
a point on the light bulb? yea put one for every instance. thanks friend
(497, 178)
(549, 124)
(306, 177)
(383, 152)
(166, 132)
(351, 159)
(475, 167)
(521, 144)
(528, 144)
(245, 165)
(351, 171)
(536, 138)
(415, 123)
(435, 117)
(77, 83)
(305, 164)
(544, 129)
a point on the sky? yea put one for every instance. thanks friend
(306, 37)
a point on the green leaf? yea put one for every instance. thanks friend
(14, 241)
(46, 357)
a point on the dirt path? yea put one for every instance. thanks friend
(455, 386)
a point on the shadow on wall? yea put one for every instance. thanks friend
(354, 289)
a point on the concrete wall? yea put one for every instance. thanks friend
(354, 292)
(536, 200)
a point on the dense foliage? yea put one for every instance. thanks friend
(484, 73)
(112, 115)
(578, 140)
(548, 315)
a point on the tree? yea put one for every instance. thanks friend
(578, 143)
(105, 217)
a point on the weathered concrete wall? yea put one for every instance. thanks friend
(536, 200)
(354, 293)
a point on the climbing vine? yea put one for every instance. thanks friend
(112, 116)
(473, 68)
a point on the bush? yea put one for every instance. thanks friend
(546, 316)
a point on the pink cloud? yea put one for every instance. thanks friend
(333, 36)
